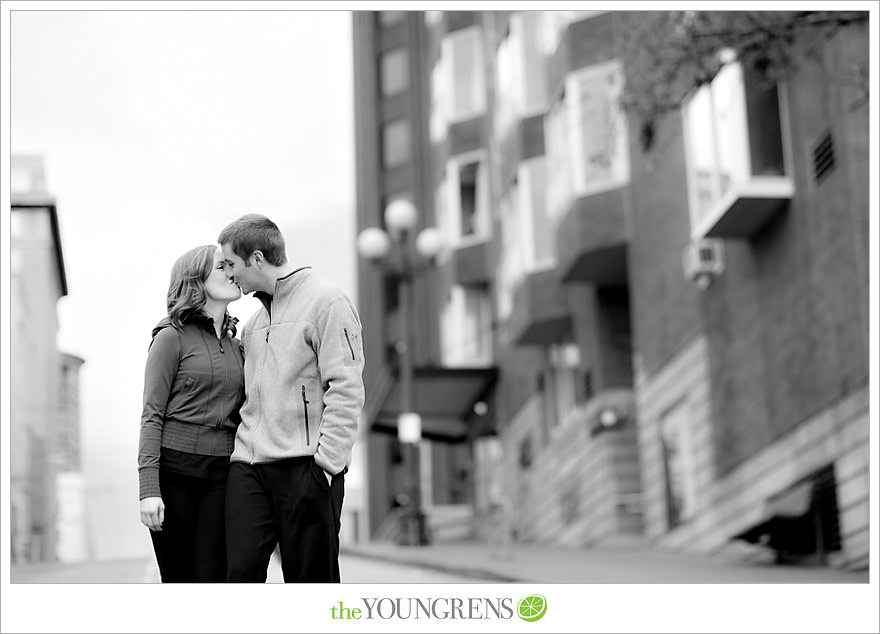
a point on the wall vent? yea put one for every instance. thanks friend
(823, 158)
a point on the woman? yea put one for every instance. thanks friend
(193, 388)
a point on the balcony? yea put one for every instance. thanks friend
(745, 208)
(466, 136)
(540, 314)
(471, 264)
(592, 239)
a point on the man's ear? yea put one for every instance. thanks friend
(259, 260)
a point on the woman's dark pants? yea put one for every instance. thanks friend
(191, 547)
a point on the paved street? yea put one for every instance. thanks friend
(475, 563)
(354, 570)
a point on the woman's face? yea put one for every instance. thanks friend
(219, 287)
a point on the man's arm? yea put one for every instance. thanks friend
(341, 366)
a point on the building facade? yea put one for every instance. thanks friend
(44, 431)
(680, 333)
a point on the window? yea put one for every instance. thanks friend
(735, 151)
(533, 87)
(520, 75)
(396, 143)
(557, 150)
(601, 160)
(466, 322)
(394, 72)
(505, 85)
(527, 232)
(467, 196)
(464, 213)
(586, 137)
(512, 262)
(464, 51)
(677, 447)
(541, 228)
(439, 96)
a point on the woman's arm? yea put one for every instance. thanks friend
(162, 362)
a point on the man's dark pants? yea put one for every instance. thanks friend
(289, 503)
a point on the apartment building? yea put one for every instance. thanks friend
(680, 333)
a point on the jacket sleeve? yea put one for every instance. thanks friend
(162, 361)
(341, 366)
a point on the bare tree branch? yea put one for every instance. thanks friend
(670, 54)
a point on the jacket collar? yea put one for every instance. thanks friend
(285, 286)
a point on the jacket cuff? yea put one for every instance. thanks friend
(149, 482)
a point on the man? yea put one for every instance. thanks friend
(304, 394)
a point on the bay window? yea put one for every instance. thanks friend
(527, 233)
(735, 148)
(465, 75)
(520, 72)
(601, 157)
(586, 137)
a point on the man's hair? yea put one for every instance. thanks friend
(253, 232)
(186, 295)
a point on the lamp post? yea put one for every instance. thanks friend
(375, 245)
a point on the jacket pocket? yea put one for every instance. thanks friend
(306, 414)
(353, 342)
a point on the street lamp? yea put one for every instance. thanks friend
(375, 245)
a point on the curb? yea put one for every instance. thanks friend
(463, 571)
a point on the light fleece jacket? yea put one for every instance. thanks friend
(303, 372)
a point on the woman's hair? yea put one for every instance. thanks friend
(253, 232)
(186, 292)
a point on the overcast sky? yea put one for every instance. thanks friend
(158, 128)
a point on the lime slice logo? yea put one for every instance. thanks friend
(532, 608)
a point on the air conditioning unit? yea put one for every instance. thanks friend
(703, 261)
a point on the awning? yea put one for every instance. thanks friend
(443, 397)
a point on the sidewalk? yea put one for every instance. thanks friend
(623, 563)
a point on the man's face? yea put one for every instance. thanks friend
(239, 271)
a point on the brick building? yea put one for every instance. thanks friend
(679, 334)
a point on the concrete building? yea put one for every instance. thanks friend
(71, 527)
(681, 342)
(43, 381)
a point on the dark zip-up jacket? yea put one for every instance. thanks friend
(193, 389)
